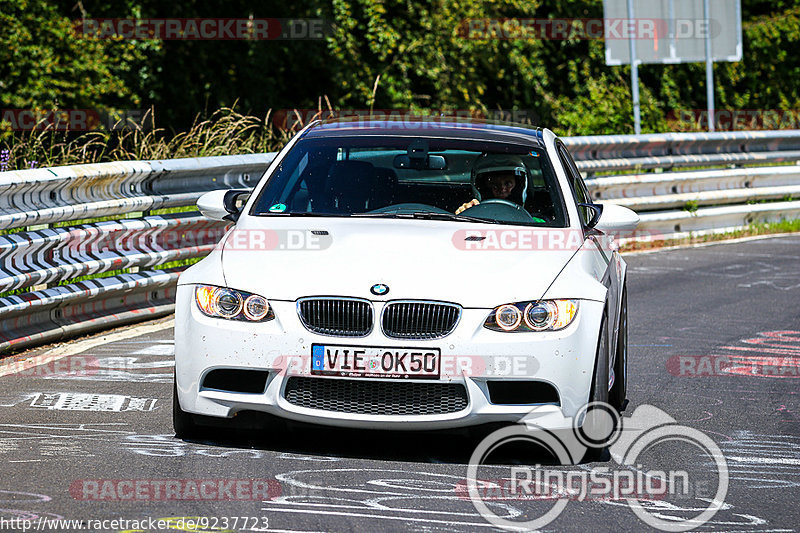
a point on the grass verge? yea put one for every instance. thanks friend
(753, 230)
(225, 132)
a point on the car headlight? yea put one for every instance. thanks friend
(221, 302)
(540, 315)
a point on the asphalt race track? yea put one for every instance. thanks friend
(714, 344)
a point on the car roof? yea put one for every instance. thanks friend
(429, 127)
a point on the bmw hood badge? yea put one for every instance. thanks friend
(379, 289)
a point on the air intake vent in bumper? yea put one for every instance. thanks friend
(236, 380)
(522, 392)
(376, 397)
(339, 317)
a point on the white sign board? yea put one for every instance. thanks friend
(672, 31)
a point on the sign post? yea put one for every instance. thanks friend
(670, 32)
(709, 66)
(637, 110)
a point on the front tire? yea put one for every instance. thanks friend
(183, 422)
(620, 389)
(598, 394)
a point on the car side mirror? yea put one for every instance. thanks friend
(225, 204)
(597, 212)
(613, 218)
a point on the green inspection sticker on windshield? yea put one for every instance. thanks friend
(537, 219)
(277, 208)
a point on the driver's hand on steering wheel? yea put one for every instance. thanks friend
(467, 205)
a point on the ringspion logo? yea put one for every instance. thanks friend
(596, 426)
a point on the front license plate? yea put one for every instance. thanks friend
(374, 362)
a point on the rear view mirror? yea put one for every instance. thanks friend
(431, 162)
(437, 162)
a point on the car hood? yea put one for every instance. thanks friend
(289, 258)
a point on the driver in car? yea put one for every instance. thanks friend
(499, 177)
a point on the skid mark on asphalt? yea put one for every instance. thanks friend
(14, 400)
(755, 274)
(31, 442)
(725, 518)
(424, 501)
(166, 445)
(156, 349)
(62, 448)
(763, 461)
(143, 369)
(25, 505)
(299, 457)
(136, 363)
(109, 432)
(427, 501)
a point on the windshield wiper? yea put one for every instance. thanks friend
(450, 216)
(426, 215)
(303, 214)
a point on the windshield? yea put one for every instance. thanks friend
(397, 177)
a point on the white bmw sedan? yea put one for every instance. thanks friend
(406, 276)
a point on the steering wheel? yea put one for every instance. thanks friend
(499, 209)
(500, 201)
(409, 208)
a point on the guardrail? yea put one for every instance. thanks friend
(59, 194)
(674, 205)
(606, 153)
(44, 264)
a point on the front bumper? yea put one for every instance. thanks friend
(471, 356)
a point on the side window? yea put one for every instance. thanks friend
(576, 183)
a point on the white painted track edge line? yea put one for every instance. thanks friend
(77, 347)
